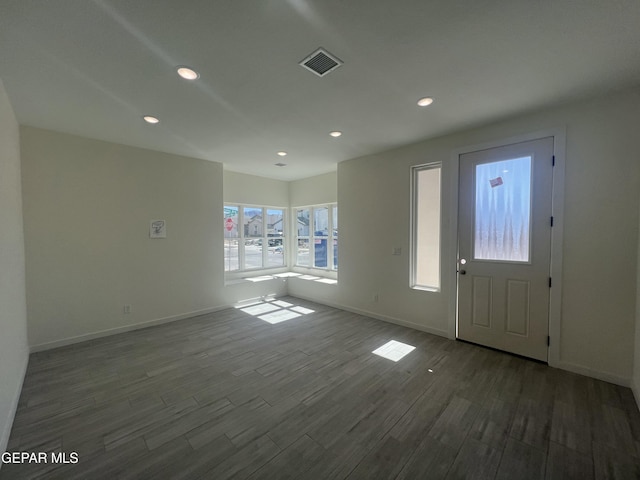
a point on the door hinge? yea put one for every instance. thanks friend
(548, 341)
(553, 160)
(552, 221)
(549, 282)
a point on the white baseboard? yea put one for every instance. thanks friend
(127, 328)
(589, 372)
(8, 421)
(377, 316)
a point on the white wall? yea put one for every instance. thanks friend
(635, 380)
(254, 190)
(600, 231)
(314, 190)
(87, 208)
(14, 352)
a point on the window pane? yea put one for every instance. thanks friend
(335, 237)
(321, 221)
(252, 222)
(320, 252)
(275, 252)
(303, 252)
(503, 210)
(231, 255)
(230, 221)
(335, 220)
(253, 253)
(335, 253)
(426, 251)
(302, 216)
(275, 223)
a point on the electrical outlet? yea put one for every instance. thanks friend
(375, 297)
(126, 309)
(396, 251)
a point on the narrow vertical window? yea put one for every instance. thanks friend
(275, 238)
(321, 235)
(335, 237)
(253, 237)
(303, 220)
(425, 226)
(231, 238)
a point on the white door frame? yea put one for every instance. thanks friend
(555, 305)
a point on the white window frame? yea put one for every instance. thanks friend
(414, 212)
(331, 270)
(249, 272)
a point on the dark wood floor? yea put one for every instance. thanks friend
(229, 395)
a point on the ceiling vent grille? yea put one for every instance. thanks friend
(321, 62)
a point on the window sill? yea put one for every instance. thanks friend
(425, 289)
(261, 277)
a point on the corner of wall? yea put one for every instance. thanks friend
(14, 350)
(7, 422)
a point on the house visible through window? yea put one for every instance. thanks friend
(253, 238)
(317, 237)
(425, 227)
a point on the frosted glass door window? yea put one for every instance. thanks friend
(503, 210)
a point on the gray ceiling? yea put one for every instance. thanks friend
(93, 68)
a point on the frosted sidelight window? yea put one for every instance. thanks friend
(425, 227)
(503, 210)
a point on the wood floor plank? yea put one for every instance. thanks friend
(431, 459)
(566, 464)
(385, 461)
(610, 463)
(571, 427)
(532, 423)
(475, 461)
(521, 461)
(246, 461)
(228, 395)
(291, 463)
(494, 420)
(454, 423)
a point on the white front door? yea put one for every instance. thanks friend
(504, 225)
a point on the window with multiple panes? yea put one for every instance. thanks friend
(253, 238)
(425, 227)
(317, 237)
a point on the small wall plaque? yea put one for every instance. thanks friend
(158, 229)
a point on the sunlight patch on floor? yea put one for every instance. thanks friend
(394, 350)
(260, 308)
(273, 311)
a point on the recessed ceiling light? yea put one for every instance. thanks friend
(280, 164)
(282, 154)
(423, 102)
(188, 73)
(151, 119)
(335, 133)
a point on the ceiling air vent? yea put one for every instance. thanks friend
(321, 62)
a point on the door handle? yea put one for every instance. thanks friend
(462, 272)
